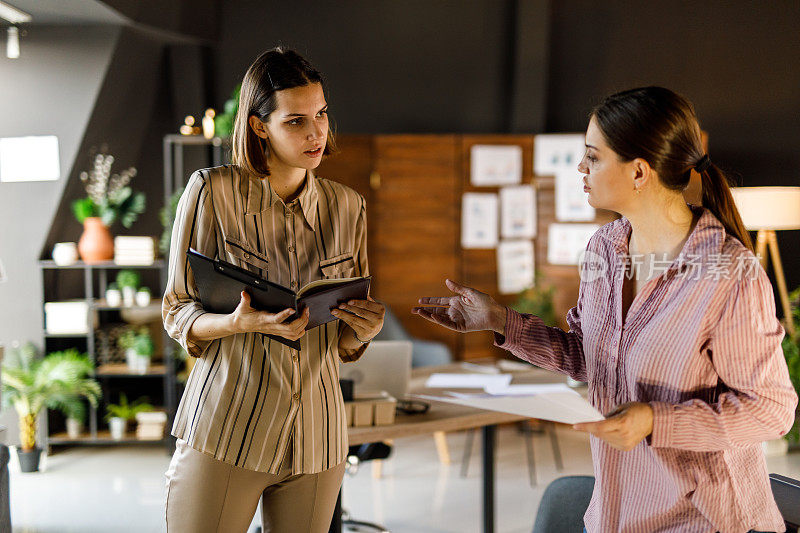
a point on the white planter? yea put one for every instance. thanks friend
(131, 359)
(128, 296)
(143, 298)
(113, 297)
(117, 427)
(142, 363)
(74, 428)
(65, 253)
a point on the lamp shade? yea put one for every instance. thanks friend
(775, 208)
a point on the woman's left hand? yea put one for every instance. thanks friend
(624, 427)
(365, 317)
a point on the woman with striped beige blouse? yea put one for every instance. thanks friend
(674, 331)
(259, 420)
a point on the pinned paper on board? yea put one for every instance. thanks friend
(559, 155)
(492, 165)
(518, 212)
(567, 242)
(515, 266)
(479, 220)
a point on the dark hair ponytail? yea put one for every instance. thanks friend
(660, 126)
(718, 199)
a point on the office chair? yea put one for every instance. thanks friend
(786, 492)
(563, 505)
(357, 455)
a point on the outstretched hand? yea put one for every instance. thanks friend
(469, 310)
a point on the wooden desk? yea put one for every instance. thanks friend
(450, 417)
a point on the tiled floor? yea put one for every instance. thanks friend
(121, 489)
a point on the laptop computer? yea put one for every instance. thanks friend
(385, 366)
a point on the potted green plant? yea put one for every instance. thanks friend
(60, 381)
(223, 122)
(108, 199)
(537, 300)
(791, 351)
(113, 295)
(143, 297)
(120, 415)
(139, 348)
(167, 217)
(128, 281)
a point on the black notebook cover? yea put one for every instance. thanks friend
(220, 284)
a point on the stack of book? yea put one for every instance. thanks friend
(150, 425)
(134, 250)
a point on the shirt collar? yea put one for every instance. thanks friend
(706, 239)
(261, 197)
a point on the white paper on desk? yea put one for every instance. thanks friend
(567, 242)
(495, 165)
(525, 389)
(515, 268)
(467, 381)
(479, 220)
(518, 212)
(566, 407)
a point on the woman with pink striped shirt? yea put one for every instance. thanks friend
(674, 331)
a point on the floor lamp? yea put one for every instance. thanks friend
(767, 210)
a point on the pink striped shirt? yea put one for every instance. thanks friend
(702, 345)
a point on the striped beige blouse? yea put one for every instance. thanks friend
(702, 345)
(249, 397)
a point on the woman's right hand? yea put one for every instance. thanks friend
(469, 310)
(249, 320)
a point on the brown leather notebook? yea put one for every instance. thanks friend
(220, 284)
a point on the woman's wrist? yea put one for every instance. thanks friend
(499, 317)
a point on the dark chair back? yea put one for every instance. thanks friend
(563, 505)
(787, 495)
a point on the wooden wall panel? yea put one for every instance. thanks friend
(416, 225)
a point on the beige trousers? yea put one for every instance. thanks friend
(208, 495)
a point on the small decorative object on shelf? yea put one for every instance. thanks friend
(66, 318)
(208, 124)
(128, 281)
(143, 297)
(60, 381)
(65, 253)
(139, 348)
(113, 295)
(150, 425)
(130, 250)
(109, 198)
(120, 415)
(189, 128)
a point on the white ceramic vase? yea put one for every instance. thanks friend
(113, 297)
(143, 298)
(65, 253)
(117, 426)
(128, 296)
(74, 428)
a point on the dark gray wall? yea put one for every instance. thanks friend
(737, 61)
(411, 66)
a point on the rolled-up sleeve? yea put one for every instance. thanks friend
(194, 228)
(362, 269)
(759, 401)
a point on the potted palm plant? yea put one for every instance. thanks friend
(120, 415)
(60, 381)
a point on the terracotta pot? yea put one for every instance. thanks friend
(96, 244)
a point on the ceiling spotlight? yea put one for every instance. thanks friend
(12, 44)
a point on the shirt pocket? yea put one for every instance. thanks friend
(244, 256)
(341, 266)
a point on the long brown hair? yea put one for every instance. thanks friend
(274, 70)
(660, 126)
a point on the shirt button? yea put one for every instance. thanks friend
(294, 358)
(246, 255)
(291, 249)
(296, 396)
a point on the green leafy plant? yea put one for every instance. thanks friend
(59, 381)
(108, 196)
(223, 122)
(791, 351)
(167, 216)
(126, 410)
(537, 300)
(139, 341)
(128, 278)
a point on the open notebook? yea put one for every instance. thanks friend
(220, 284)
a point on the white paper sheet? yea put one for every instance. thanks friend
(527, 389)
(518, 212)
(492, 165)
(479, 220)
(559, 155)
(567, 242)
(515, 266)
(566, 407)
(467, 381)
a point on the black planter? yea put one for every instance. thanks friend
(29, 461)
